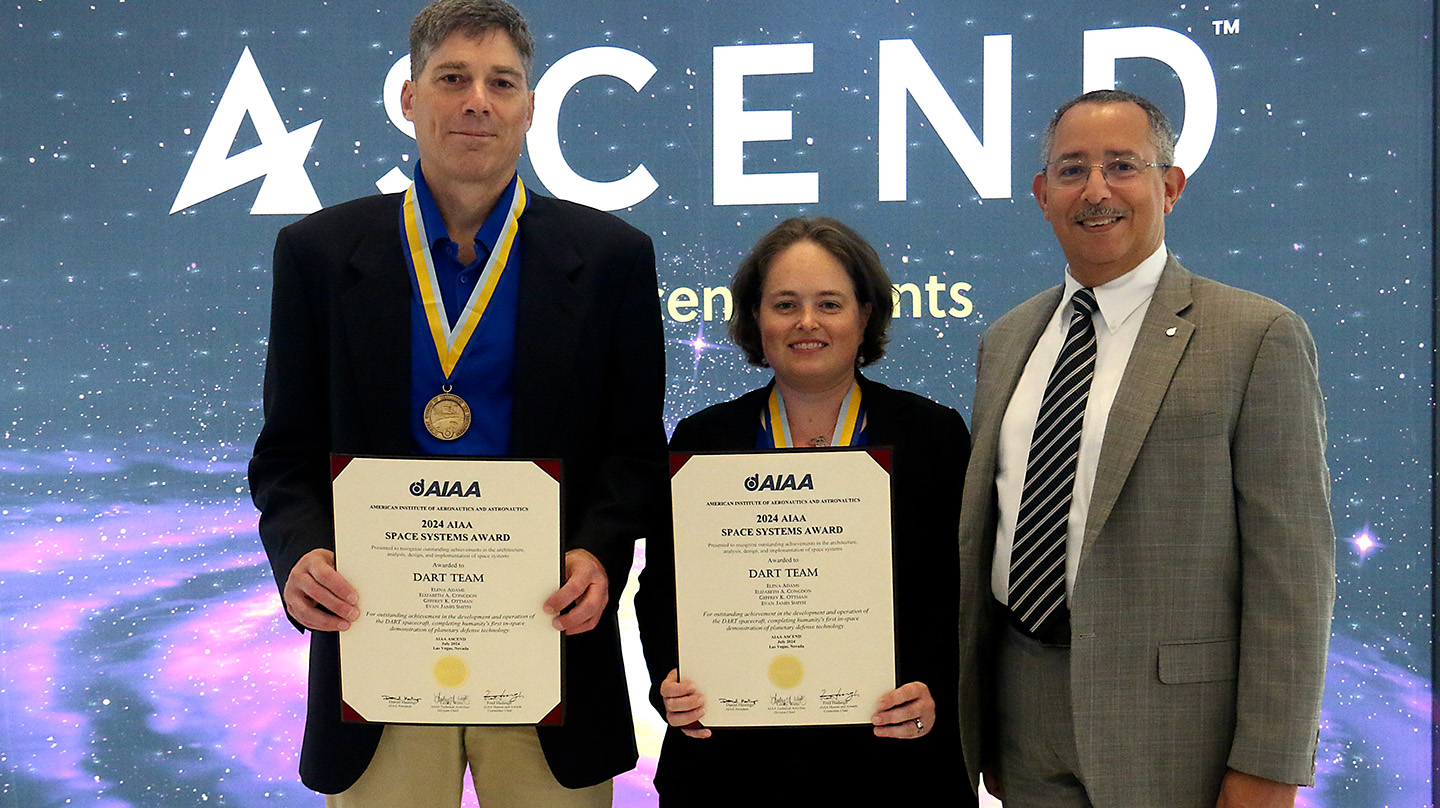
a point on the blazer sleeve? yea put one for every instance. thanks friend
(655, 598)
(627, 486)
(289, 472)
(1282, 494)
(931, 455)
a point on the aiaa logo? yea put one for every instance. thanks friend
(280, 157)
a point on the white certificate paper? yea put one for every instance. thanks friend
(784, 584)
(453, 559)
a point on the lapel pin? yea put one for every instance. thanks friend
(1170, 332)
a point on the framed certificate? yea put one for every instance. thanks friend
(453, 559)
(784, 584)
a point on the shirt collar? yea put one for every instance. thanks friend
(1120, 298)
(439, 238)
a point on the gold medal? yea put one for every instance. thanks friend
(447, 416)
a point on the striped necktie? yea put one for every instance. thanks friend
(1037, 557)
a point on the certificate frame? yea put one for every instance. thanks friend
(409, 536)
(785, 510)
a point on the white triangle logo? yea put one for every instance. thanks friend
(280, 157)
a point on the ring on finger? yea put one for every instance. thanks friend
(919, 725)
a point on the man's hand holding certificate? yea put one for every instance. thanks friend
(453, 560)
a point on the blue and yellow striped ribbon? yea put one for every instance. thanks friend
(846, 424)
(450, 342)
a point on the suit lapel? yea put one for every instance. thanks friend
(547, 329)
(1163, 337)
(376, 318)
(1006, 348)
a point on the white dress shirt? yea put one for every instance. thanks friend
(1122, 304)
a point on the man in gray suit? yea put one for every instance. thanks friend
(1149, 557)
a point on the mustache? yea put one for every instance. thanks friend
(1097, 212)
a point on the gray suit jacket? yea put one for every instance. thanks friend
(1200, 616)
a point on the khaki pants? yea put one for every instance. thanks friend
(422, 767)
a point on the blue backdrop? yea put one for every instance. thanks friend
(150, 150)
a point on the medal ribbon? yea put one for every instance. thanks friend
(450, 342)
(845, 425)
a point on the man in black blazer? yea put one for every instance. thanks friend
(581, 377)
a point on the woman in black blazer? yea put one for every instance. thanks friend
(813, 303)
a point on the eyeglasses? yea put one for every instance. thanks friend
(1119, 171)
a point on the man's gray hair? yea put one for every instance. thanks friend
(475, 18)
(1162, 135)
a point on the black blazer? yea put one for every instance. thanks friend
(589, 388)
(931, 447)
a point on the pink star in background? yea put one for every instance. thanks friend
(1365, 543)
(700, 346)
(699, 343)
